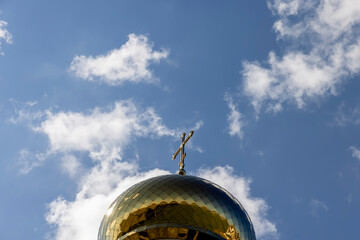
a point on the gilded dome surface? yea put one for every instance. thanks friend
(176, 207)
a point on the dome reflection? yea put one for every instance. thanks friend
(176, 207)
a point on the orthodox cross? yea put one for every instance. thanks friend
(183, 154)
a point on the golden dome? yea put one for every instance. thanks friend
(176, 207)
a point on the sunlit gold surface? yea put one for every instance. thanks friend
(176, 207)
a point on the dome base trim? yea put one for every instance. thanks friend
(169, 231)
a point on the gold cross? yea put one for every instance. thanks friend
(183, 154)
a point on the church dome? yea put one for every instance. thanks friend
(176, 207)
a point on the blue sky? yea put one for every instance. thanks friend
(95, 94)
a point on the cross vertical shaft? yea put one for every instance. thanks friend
(183, 154)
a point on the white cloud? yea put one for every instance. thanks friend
(129, 63)
(296, 77)
(70, 164)
(355, 152)
(5, 35)
(329, 31)
(103, 133)
(288, 7)
(240, 187)
(324, 19)
(234, 119)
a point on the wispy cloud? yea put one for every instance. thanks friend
(129, 63)
(355, 152)
(329, 31)
(24, 112)
(5, 35)
(28, 160)
(347, 115)
(234, 118)
(317, 207)
(349, 198)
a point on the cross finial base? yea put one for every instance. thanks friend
(182, 172)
